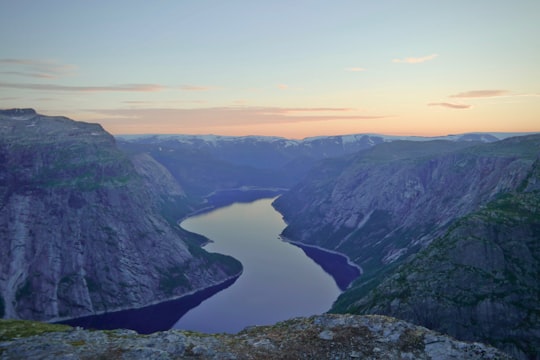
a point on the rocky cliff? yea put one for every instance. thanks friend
(480, 281)
(317, 337)
(384, 203)
(80, 231)
(477, 282)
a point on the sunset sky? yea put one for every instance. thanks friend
(285, 68)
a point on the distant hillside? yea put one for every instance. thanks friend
(384, 203)
(206, 163)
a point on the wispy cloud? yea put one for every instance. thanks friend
(161, 103)
(480, 94)
(292, 111)
(355, 69)
(42, 69)
(416, 60)
(28, 74)
(110, 88)
(195, 88)
(283, 86)
(182, 119)
(137, 102)
(451, 105)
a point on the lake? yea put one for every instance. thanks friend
(279, 280)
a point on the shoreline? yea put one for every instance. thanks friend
(244, 190)
(231, 279)
(226, 280)
(301, 244)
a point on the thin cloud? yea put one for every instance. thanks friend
(480, 94)
(113, 88)
(229, 116)
(195, 88)
(416, 60)
(136, 102)
(279, 110)
(160, 104)
(28, 74)
(451, 105)
(283, 86)
(527, 95)
(355, 69)
(9, 98)
(43, 69)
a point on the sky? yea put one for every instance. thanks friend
(294, 68)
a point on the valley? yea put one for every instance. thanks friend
(89, 222)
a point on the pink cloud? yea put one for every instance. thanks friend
(43, 69)
(283, 86)
(415, 60)
(480, 94)
(450, 105)
(112, 88)
(279, 110)
(29, 74)
(182, 119)
(195, 88)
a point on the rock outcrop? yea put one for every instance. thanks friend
(80, 231)
(317, 337)
(480, 281)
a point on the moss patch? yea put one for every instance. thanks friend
(10, 329)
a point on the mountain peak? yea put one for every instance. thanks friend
(28, 126)
(19, 114)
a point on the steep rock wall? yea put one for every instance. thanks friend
(477, 282)
(80, 232)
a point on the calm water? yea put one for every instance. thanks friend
(279, 281)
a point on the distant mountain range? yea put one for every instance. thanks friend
(272, 152)
(205, 163)
(343, 139)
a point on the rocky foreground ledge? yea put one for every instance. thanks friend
(317, 337)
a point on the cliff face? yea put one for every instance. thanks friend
(389, 201)
(480, 281)
(80, 232)
(477, 278)
(317, 337)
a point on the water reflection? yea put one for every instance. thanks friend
(279, 280)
